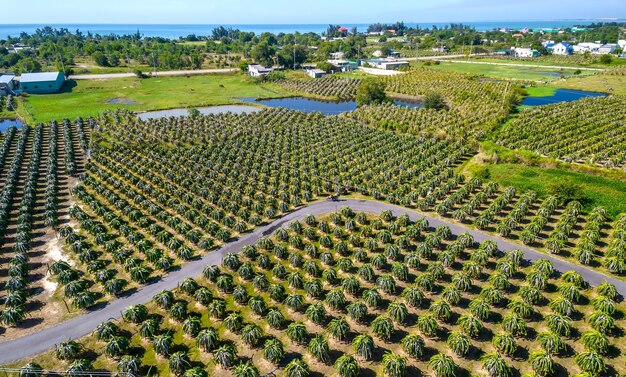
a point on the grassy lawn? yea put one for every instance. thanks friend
(561, 62)
(507, 72)
(595, 83)
(89, 97)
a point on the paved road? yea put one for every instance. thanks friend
(33, 344)
(105, 76)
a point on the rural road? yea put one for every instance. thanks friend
(105, 76)
(36, 343)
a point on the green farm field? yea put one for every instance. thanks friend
(89, 97)
(508, 72)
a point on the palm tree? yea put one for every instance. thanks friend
(225, 356)
(179, 362)
(116, 347)
(363, 345)
(318, 347)
(357, 311)
(470, 325)
(382, 327)
(595, 341)
(297, 368)
(251, 335)
(297, 332)
(551, 342)
(442, 365)
(273, 351)
(338, 328)
(542, 362)
(347, 366)
(246, 369)
(68, 350)
(394, 365)
(458, 343)
(31, 370)
(427, 324)
(106, 330)
(275, 318)
(162, 344)
(495, 365)
(207, 339)
(135, 313)
(591, 362)
(398, 312)
(505, 343)
(413, 345)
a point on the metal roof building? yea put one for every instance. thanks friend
(42, 82)
(7, 83)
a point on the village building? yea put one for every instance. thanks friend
(256, 70)
(315, 73)
(7, 83)
(42, 82)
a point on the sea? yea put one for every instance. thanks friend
(175, 31)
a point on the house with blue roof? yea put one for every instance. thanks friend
(561, 48)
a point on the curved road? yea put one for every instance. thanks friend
(33, 344)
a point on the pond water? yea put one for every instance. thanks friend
(561, 95)
(6, 123)
(237, 109)
(309, 105)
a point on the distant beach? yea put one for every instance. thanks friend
(175, 31)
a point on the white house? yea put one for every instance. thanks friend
(256, 70)
(591, 47)
(562, 48)
(7, 83)
(622, 44)
(608, 48)
(315, 73)
(336, 55)
(524, 52)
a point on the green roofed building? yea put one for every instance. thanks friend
(42, 82)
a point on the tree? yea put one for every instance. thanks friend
(566, 191)
(319, 348)
(179, 362)
(505, 343)
(394, 365)
(263, 53)
(246, 369)
(413, 345)
(434, 100)
(591, 362)
(458, 343)
(297, 368)
(225, 356)
(442, 365)
(595, 341)
(371, 92)
(273, 351)
(495, 365)
(207, 339)
(116, 347)
(383, 327)
(129, 364)
(542, 362)
(68, 350)
(363, 345)
(346, 366)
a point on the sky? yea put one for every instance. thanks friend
(312, 12)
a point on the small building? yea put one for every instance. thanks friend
(591, 47)
(42, 82)
(256, 70)
(562, 48)
(385, 63)
(524, 52)
(315, 73)
(7, 83)
(443, 49)
(622, 44)
(608, 48)
(337, 55)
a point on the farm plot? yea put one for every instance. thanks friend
(590, 131)
(328, 87)
(36, 166)
(352, 294)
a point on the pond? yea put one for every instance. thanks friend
(6, 123)
(309, 105)
(560, 95)
(237, 109)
